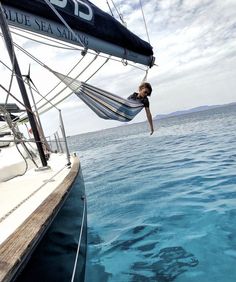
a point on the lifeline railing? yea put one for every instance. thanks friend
(57, 143)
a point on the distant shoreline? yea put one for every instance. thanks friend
(160, 117)
(192, 110)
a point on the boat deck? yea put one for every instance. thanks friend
(27, 206)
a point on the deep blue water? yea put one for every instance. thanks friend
(162, 207)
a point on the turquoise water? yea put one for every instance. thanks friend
(162, 207)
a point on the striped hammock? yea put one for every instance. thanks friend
(103, 103)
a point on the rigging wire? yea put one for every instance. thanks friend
(49, 101)
(52, 98)
(14, 97)
(89, 52)
(40, 107)
(97, 69)
(110, 8)
(13, 64)
(32, 57)
(16, 139)
(65, 23)
(33, 88)
(42, 64)
(68, 86)
(144, 20)
(147, 33)
(29, 54)
(61, 81)
(119, 13)
(45, 37)
(11, 81)
(66, 47)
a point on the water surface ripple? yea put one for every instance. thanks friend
(162, 207)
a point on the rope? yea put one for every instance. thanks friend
(78, 246)
(44, 98)
(52, 98)
(33, 88)
(145, 76)
(71, 82)
(45, 66)
(61, 81)
(59, 101)
(97, 70)
(74, 80)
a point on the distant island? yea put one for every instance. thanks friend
(193, 110)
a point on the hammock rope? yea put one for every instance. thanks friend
(105, 104)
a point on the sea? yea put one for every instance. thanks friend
(162, 207)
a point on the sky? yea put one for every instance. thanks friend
(194, 42)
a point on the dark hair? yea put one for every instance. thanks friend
(146, 85)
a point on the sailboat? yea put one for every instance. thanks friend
(43, 213)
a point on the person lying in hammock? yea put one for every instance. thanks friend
(145, 89)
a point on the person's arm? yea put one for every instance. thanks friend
(149, 118)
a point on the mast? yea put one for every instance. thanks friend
(38, 120)
(10, 49)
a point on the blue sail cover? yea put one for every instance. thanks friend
(105, 104)
(82, 17)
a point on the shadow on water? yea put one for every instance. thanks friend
(151, 262)
(168, 264)
(95, 271)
